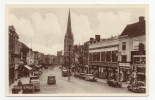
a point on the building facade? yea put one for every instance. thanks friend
(11, 54)
(103, 56)
(30, 57)
(132, 45)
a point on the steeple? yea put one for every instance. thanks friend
(68, 41)
(69, 29)
(69, 34)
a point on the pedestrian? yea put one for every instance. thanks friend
(19, 83)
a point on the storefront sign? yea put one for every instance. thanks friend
(102, 64)
(118, 54)
(135, 45)
(124, 64)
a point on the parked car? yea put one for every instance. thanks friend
(76, 74)
(46, 67)
(28, 88)
(82, 75)
(139, 87)
(64, 72)
(35, 81)
(90, 77)
(16, 89)
(40, 71)
(51, 79)
(114, 83)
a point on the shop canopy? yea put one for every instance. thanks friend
(28, 67)
(37, 66)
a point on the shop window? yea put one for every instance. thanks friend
(123, 45)
(94, 56)
(108, 56)
(90, 56)
(139, 59)
(124, 58)
(114, 56)
(98, 56)
(136, 60)
(102, 56)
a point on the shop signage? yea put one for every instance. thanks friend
(135, 45)
(124, 64)
(118, 54)
(102, 64)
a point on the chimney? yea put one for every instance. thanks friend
(141, 18)
(97, 38)
(91, 40)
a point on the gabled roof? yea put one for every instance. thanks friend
(134, 29)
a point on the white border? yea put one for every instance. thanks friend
(151, 41)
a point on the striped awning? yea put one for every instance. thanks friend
(37, 66)
(28, 67)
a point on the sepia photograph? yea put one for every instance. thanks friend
(77, 50)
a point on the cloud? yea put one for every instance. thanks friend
(23, 26)
(45, 32)
(48, 37)
(80, 28)
(111, 23)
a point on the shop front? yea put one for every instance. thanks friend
(124, 71)
(139, 62)
(11, 73)
(104, 69)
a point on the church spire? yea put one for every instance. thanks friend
(69, 34)
(69, 28)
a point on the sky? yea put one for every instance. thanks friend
(44, 28)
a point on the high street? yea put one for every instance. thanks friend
(74, 86)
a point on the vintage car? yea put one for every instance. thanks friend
(46, 67)
(139, 87)
(64, 72)
(35, 81)
(28, 88)
(76, 74)
(114, 83)
(16, 89)
(90, 77)
(40, 71)
(82, 75)
(51, 79)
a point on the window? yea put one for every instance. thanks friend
(94, 56)
(139, 59)
(114, 56)
(98, 56)
(124, 58)
(123, 45)
(108, 56)
(90, 56)
(102, 56)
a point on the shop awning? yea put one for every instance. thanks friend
(37, 66)
(141, 73)
(28, 67)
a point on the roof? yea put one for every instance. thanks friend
(12, 28)
(134, 29)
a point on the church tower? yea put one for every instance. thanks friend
(68, 41)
